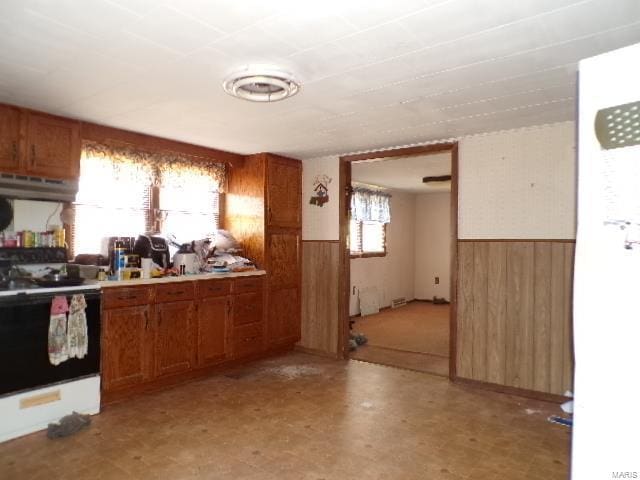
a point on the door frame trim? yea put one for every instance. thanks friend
(344, 260)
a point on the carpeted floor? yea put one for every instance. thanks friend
(418, 327)
(415, 337)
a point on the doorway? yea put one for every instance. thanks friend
(388, 269)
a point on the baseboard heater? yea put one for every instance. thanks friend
(398, 302)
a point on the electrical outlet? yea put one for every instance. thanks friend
(437, 280)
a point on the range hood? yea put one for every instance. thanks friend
(37, 188)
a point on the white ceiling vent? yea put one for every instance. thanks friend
(261, 84)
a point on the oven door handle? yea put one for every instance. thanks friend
(40, 298)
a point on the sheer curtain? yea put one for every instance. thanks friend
(113, 199)
(370, 206)
(370, 212)
(125, 191)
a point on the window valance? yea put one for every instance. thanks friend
(179, 169)
(370, 206)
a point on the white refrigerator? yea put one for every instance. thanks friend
(606, 431)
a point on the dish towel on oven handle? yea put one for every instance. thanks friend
(58, 350)
(77, 335)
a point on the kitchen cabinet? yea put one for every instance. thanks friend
(213, 317)
(268, 225)
(38, 144)
(156, 335)
(11, 144)
(53, 146)
(248, 317)
(126, 340)
(283, 318)
(284, 192)
(213, 326)
(174, 345)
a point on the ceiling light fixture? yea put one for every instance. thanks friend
(261, 84)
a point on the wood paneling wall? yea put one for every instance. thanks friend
(514, 313)
(320, 323)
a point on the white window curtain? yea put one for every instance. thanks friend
(125, 191)
(370, 206)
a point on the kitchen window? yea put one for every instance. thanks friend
(370, 214)
(126, 192)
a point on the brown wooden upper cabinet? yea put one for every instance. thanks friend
(53, 146)
(284, 192)
(11, 139)
(38, 144)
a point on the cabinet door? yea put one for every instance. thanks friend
(10, 144)
(284, 258)
(284, 193)
(213, 328)
(53, 147)
(283, 323)
(125, 347)
(283, 318)
(175, 350)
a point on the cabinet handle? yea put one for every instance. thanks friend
(228, 308)
(33, 155)
(14, 150)
(146, 320)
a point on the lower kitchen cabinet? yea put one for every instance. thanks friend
(175, 352)
(161, 334)
(126, 340)
(213, 330)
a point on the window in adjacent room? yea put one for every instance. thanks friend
(126, 192)
(370, 214)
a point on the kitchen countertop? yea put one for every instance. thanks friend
(182, 278)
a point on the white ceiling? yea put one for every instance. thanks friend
(404, 173)
(375, 73)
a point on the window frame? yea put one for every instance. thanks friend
(369, 254)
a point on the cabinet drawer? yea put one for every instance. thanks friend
(247, 339)
(247, 308)
(214, 288)
(172, 292)
(125, 296)
(245, 285)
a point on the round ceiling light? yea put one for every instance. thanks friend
(261, 84)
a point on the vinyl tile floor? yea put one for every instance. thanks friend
(306, 418)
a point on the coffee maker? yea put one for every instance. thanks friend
(154, 247)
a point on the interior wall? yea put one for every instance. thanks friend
(432, 246)
(393, 274)
(320, 260)
(320, 223)
(518, 184)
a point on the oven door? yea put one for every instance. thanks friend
(24, 342)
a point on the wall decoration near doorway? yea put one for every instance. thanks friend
(320, 190)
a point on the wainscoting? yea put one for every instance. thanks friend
(320, 323)
(514, 313)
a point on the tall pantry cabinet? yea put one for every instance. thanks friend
(263, 211)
